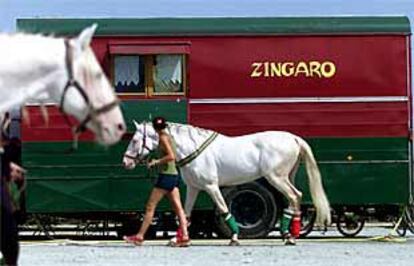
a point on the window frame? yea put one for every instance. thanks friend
(112, 77)
(148, 51)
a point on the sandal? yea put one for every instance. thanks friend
(134, 239)
(181, 242)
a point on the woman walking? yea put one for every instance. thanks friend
(166, 185)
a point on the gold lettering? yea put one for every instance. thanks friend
(288, 69)
(314, 67)
(275, 70)
(302, 67)
(256, 70)
(328, 69)
(325, 69)
(266, 69)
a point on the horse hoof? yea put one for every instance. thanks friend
(234, 243)
(290, 241)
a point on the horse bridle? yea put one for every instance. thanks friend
(138, 158)
(93, 112)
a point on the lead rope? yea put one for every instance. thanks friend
(391, 236)
(189, 158)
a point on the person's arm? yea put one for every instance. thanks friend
(169, 156)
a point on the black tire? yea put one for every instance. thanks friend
(402, 229)
(409, 215)
(254, 208)
(349, 224)
(308, 221)
(403, 225)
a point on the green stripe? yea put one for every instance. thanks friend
(92, 179)
(223, 26)
(188, 159)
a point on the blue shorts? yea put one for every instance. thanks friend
(167, 182)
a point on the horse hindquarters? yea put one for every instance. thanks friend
(323, 212)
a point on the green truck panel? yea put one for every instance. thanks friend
(362, 171)
(354, 171)
(220, 26)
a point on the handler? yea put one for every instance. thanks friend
(11, 187)
(167, 184)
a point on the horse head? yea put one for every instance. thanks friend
(141, 144)
(86, 92)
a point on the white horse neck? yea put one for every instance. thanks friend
(28, 63)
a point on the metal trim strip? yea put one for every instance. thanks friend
(299, 100)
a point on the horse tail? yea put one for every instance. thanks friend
(323, 211)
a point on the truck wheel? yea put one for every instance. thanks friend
(254, 208)
(349, 224)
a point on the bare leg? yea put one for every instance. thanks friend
(174, 197)
(190, 199)
(156, 195)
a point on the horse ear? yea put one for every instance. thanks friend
(85, 37)
(136, 124)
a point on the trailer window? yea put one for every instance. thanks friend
(149, 75)
(129, 75)
(168, 76)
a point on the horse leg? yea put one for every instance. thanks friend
(294, 170)
(290, 222)
(190, 199)
(217, 197)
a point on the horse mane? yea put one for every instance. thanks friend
(196, 134)
(24, 46)
(188, 127)
(26, 38)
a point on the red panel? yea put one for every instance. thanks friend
(305, 119)
(221, 66)
(57, 130)
(365, 66)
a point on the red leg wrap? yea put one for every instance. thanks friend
(179, 233)
(295, 226)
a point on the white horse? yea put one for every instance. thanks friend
(67, 71)
(209, 160)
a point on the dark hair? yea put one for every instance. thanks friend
(159, 123)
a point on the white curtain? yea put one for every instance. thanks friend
(126, 70)
(168, 73)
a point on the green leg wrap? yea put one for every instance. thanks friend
(231, 222)
(286, 221)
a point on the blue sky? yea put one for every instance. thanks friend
(12, 9)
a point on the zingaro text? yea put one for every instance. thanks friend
(316, 69)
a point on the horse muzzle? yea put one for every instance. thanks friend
(128, 163)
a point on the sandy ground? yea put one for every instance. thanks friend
(317, 250)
